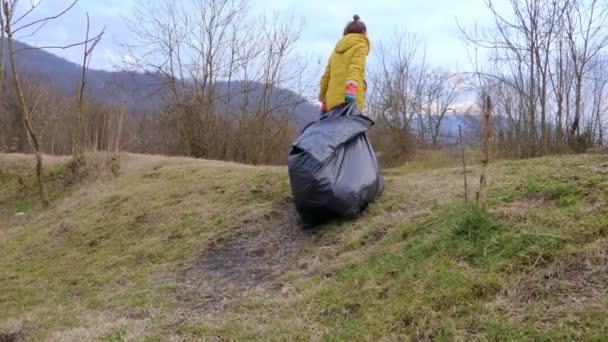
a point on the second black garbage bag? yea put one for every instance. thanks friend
(332, 168)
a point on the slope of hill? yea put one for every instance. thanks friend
(184, 249)
(143, 90)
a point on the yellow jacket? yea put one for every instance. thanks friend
(347, 63)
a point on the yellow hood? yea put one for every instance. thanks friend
(351, 40)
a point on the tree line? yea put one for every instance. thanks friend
(547, 74)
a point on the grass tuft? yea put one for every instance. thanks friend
(474, 224)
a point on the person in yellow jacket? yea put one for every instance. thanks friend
(344, 76)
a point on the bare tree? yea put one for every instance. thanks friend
(441, 92)
(25, 112)
(223, 70)
(398, 83)
(552, 14)
(158, 47)
(561, 82)
(541, 60)
(13, 25)
(516, 43)
(587, 37)
(600, 103)
(80, 142)
(269, 119)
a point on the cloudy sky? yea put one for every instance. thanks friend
(433, 20)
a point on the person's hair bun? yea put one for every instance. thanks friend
(356, 26)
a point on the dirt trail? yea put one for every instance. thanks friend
(244, 264)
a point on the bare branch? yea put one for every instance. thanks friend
(94, 40)
(43, 20)
(29, 11)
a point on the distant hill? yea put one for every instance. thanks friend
(143, 90)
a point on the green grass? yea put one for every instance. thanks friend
(462, 273)
(4, 178)
(420, 264)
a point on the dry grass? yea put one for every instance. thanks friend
(184, 249)
(516, 210)
(168, 210)
(106, 328)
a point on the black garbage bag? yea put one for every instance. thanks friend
(332, 168)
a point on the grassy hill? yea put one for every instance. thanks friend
(184, 249)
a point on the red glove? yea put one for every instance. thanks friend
(351, 91)
(323, 108)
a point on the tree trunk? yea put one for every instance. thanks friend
(485, 152)
(543, 117)
(2, 56)
(25, 115)
(464, 167)
(574, 130)
(532, 109)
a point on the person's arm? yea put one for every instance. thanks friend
(355, 70)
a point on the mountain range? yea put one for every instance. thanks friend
(143, 91)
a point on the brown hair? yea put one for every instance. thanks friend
(355, 26)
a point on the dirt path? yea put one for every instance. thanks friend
(244, 264)
(251, 263)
